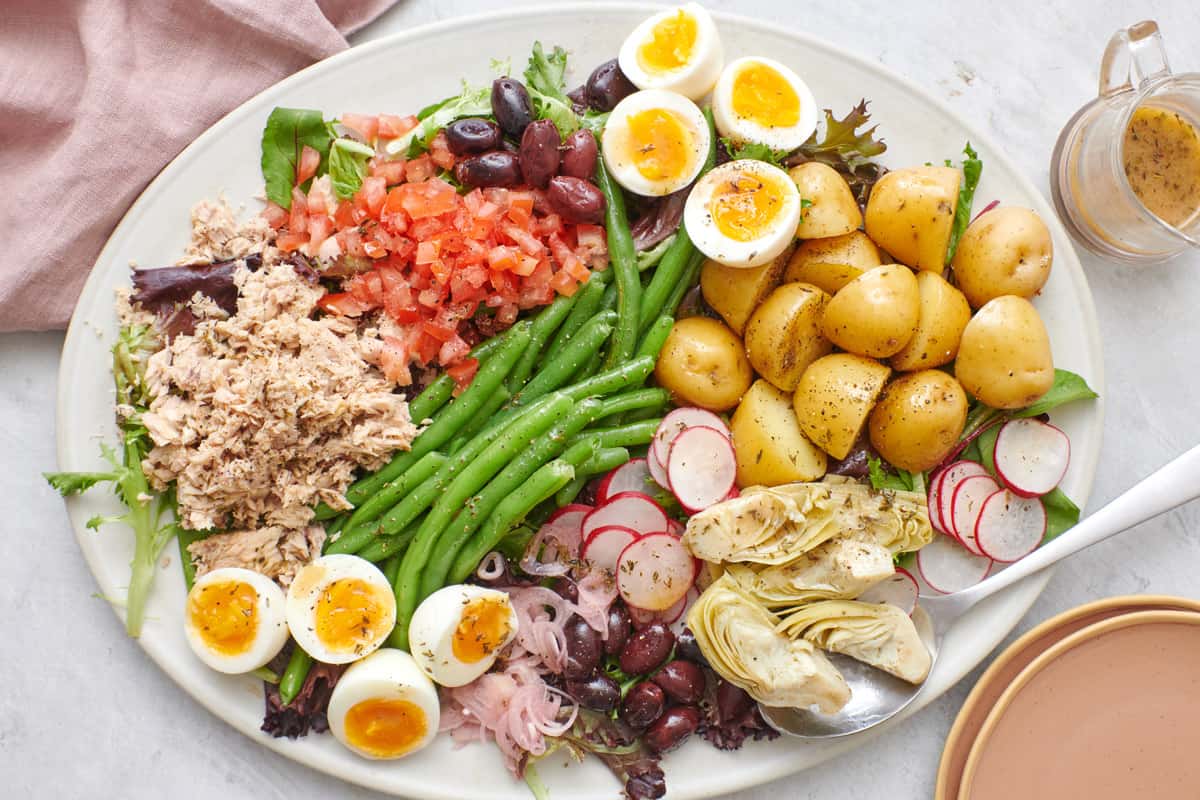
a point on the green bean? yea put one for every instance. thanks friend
(634, 400)
(472, 428)
(294, 676)
(548, 320)
(391, 567)
(686, 282)
(604, 460)
(623, 262)
(570, 490)
(472, 515)
(590, 367)
(649, 258)
(489, 378)
(613, 380)
(656, 336)
(362, 526)
(515, 437)
(588, 301)
(539, 487)
(583, 345)
(382, 547)
(631, 435)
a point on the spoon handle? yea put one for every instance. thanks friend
(1171, 486)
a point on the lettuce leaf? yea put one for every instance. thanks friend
(1067, 388)
(286, 133)
(348, 166)
(972, 170)
(472, 102)
(755, 151)
(848, 148)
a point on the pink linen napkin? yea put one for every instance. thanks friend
(96, 96)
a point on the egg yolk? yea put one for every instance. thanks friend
(482, 629)
(662, 145)
(347, 613)
(385, 727)
(763, 96)
(744, 208)
(670, 45)
(226, 616)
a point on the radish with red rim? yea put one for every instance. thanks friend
(604, 546)
(632, 476)
(678, 421)
(658, 470)
(654, 572)
(1010, 527)
(950, 478)
(968, 501)
(1031, 456)
(641, 617)
(899, 590)
(701, 468)
(633, 510)
(948, 567)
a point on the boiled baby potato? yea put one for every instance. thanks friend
(829, 264)
(767, 440)
(734, 292)
(943, 315)
(834, 210)
(702, 364)
(783, 335)
(875, 314)
(918, 419)
(835, 395)
(1004, 358)
(1006, 251)
(911, 212)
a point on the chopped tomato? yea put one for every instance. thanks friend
(343, 304)
(420, 169)
(392, 172)
(298, 221)
(393, 127)
(366, 127)
(275, 215)
(288, 241)
(463, 373)
(439, 151)
(310, 159)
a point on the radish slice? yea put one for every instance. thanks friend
(570, 515)
(658, 470)
(952, 476)
(933, 501)
(632, 510)
(641, 617)
(1031, 456)
(604, 546)
(949, 567)
(679, 421)
(899, 590)
(966, 505)
(1010, 526)
(675, 527)
(701, 468)
(693, 594)
(655, 572)
(632, 476)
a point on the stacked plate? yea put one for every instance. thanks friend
(1102, 701)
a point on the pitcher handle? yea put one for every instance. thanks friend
(1134, 56)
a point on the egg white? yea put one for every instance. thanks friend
(711, 241)
(618, 143)
(306, 589)
(741, 129)
(386, 674)
(696, 77)
(270, 635)
(431, 634)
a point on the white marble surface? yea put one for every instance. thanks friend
(83, 713)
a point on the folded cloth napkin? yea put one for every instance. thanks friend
(96, 96)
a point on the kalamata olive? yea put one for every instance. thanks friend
(497, 168)
(650, 785)
(598, 692)
(732, 701)
(472, 135)
(565, 588)
(687, 648)
(643, 704)
(683, 681)
(583, 649)
(579, 155)
(607, 86)
(539, 152)
(511, 106)
(575, 200)
(619, 624)
(672, 728)
(646, 649)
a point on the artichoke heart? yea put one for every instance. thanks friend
(878, 634)
(778, 524)
(740, 641)
(842, 568)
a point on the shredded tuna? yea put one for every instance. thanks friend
(275, 552)
(218, 236)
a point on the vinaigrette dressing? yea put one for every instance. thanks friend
(1161, 157)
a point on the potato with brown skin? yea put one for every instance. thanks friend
(702, 364)
(783, 335)
(1004, 358)
(829, 264)
(943, 315)
(876, 314)
(918, 419)
(1006, 251)
(911, 212)
(768, 442)
(835, 397)
(834, 211)
(734, 292)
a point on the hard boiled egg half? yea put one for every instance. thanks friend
(340, 608)
(457, 632)
(234, 621)
(384, 706)
(676, 49)
(762, 101)
(655, 142)
(743, 213)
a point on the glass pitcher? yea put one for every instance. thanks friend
(1091, 191)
